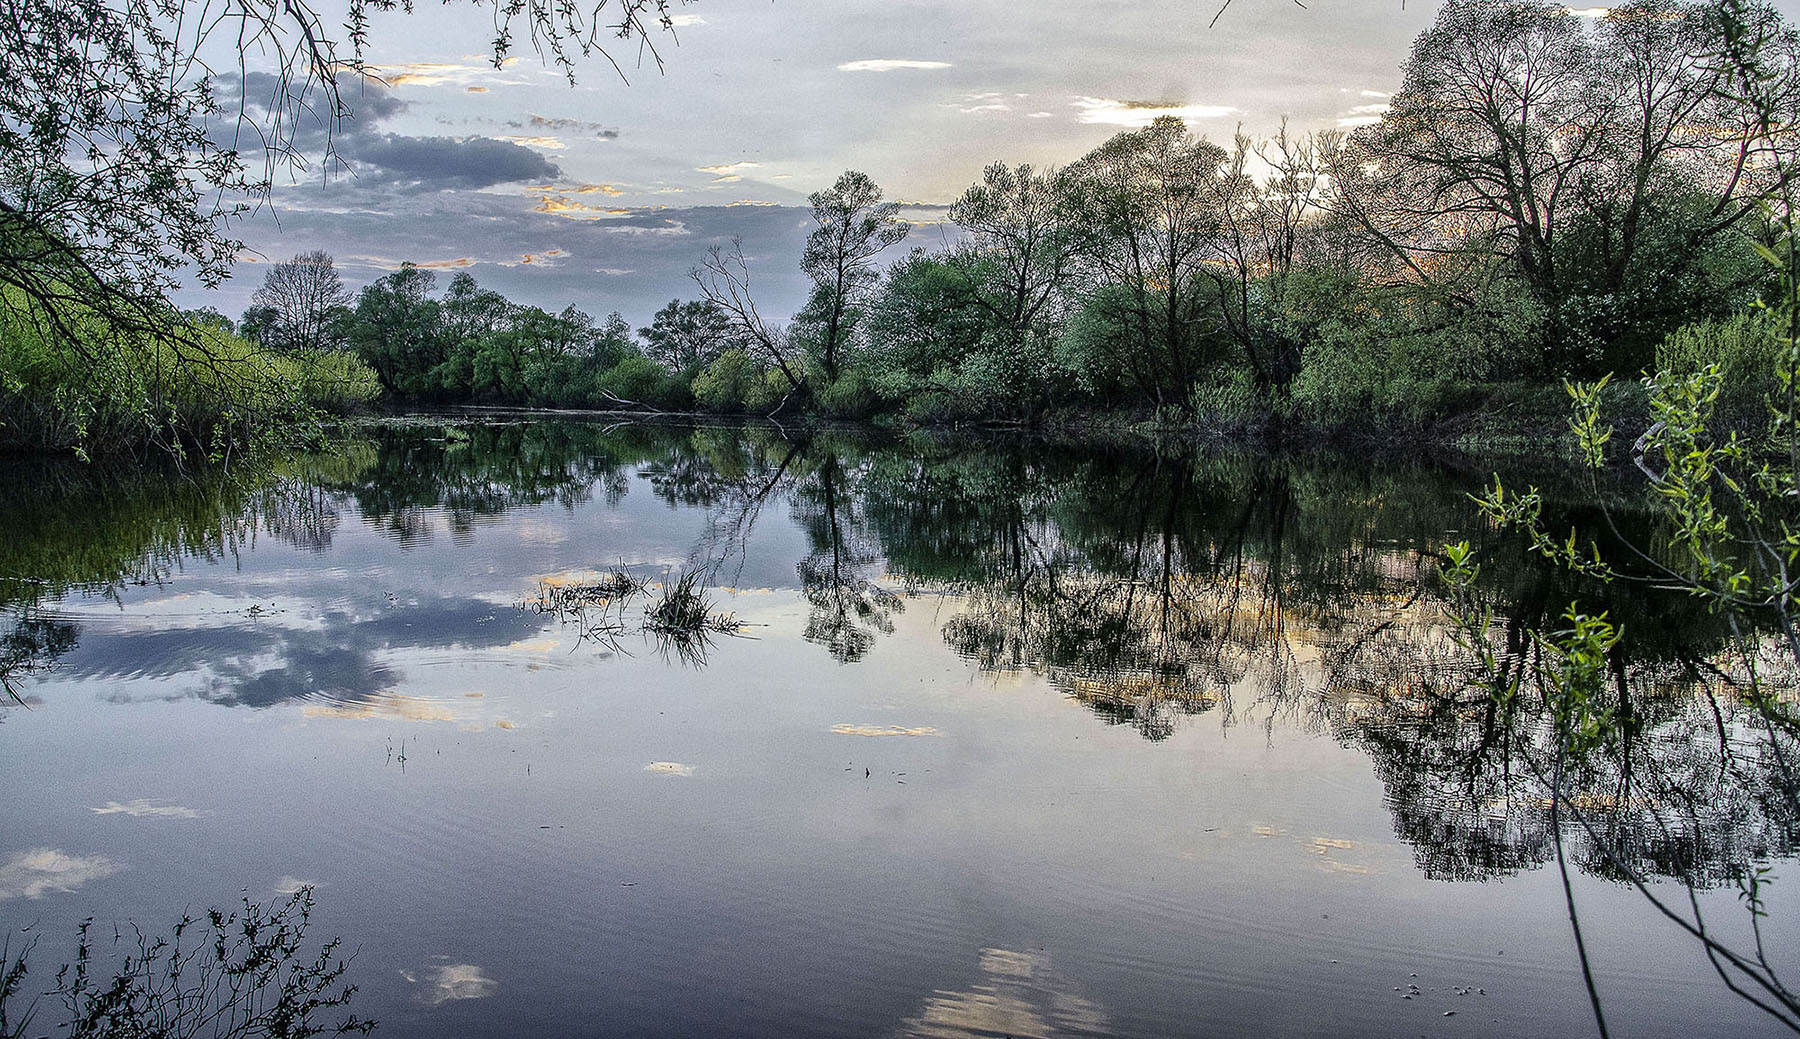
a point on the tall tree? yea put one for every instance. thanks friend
(1015, 220)
(1263, 226)
(303, 302)
(398, 330)
(853, 227)
(724, 281)
(1149, 204)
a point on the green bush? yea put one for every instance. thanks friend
(79, 385)
(766, 393)
(1349, 376)
(1744, 348)
(852, 396)
(332, 380)
(725, 383)
(639, 380)
(1228, 396)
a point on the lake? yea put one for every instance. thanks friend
(960, 737)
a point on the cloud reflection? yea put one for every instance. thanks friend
(143, 809)
(451, 982)
(1017, 995)
(35, 873)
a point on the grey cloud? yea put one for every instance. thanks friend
(597, 129)
(366, 104)
(361, 154)
(438, 163)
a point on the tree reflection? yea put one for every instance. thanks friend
(30, 646)
(1153, 589)
(848, 608)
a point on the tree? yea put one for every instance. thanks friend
(398, 330)
(470, 311)
(300, 305)
(724, 281)
(1017, 222)
(685, 337)
(1516, 127)
(1263, 227)
(854, 226)
(1149, 205)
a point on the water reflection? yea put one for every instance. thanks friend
(1017, 995)
(40, 871)
(1155, 591)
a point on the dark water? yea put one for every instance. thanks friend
(1012, 741)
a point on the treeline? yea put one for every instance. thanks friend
(1548, 196)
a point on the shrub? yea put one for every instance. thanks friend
(851, 396)
(1744, 348)
(1226, 395)
(79, 385)
(639, 380)
(727, 382)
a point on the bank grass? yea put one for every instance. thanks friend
(72, 384)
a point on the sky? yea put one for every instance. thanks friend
(603, 195)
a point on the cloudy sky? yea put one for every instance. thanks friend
(604, 194)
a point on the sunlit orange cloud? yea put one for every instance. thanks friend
(547, 258)
(432, 73)
(563, 206)
(476, 90)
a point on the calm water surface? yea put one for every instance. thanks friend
(1010, 742)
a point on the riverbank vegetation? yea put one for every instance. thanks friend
(1549, 196)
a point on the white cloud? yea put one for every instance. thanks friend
(1135, 114)
(728, 172)
(682, 21)
(1589, 12)
(1363, 115)
(889, 65)
(670, 768)
(34, 873)
(670, 229)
